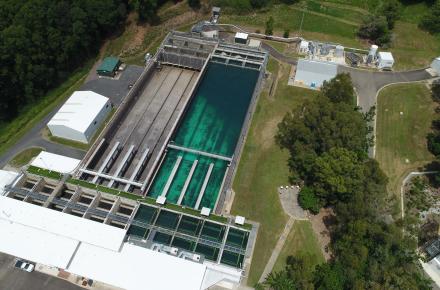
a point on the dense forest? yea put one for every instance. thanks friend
(42, 41)
(328, 140)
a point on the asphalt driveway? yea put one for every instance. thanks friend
(15, 279)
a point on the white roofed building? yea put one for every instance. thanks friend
(313, 73)
(80, 116)
(241, 38)
(385, 60)
(55, 162)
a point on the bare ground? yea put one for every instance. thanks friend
(319, 225)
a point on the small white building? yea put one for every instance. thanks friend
(80, 116)
(385, 60)
(313, 73)
(55, 162)
(435, 65)
(241, 38)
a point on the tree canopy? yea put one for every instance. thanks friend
(42, 41)
(431, 21)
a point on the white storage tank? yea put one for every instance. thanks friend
(373, 51)
(339, 51)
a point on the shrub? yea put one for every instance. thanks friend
(308, 200)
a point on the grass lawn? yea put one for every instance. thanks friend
(301, 242)
(315, 26)
(401, 139)
(263, 167)
(25, 156)
(31, 114)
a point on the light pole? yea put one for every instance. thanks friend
(302, 18)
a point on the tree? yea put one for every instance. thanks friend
(337, 175)
(339, 89)
(315, 128)
(279, 281)
(434, 143)
(375, 28)
(329, 276)
(286, 33)
(431, 21)
(308, 200)
(194, 4)
(269, 26)
(257, 4)
(435, 91)
(146, 9)
(391, 11)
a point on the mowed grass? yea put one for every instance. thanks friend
(289, 17)
(401, 138)
(25, 156)
(263, 167)
(301, 234)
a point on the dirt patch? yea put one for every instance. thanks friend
(267, 133)
(320, 223)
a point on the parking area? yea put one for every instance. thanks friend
(114, 89)
(15, 279)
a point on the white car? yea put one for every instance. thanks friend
(23, 265)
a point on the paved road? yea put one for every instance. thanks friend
(116, 90)
(368, 83)
(15, 279)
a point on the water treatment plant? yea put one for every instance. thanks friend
(157, 176)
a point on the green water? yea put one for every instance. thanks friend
(211, 124)
(214, 119)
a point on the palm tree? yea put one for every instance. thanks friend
(279, 281)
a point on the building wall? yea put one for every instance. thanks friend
(71, 134)
(436, 65)
(98, 121)
(67, 133)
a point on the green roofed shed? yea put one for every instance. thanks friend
(108, 66)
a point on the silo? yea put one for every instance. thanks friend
(339, 51)
(372, 53)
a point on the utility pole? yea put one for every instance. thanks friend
(302, 18)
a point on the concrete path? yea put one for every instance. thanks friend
(289, 201)
(276, 252)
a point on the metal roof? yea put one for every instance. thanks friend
(241, 35)
(109, 64)
(61, 224)
(385, 55)
(55, 162)
(316, 72)
(79, 111)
